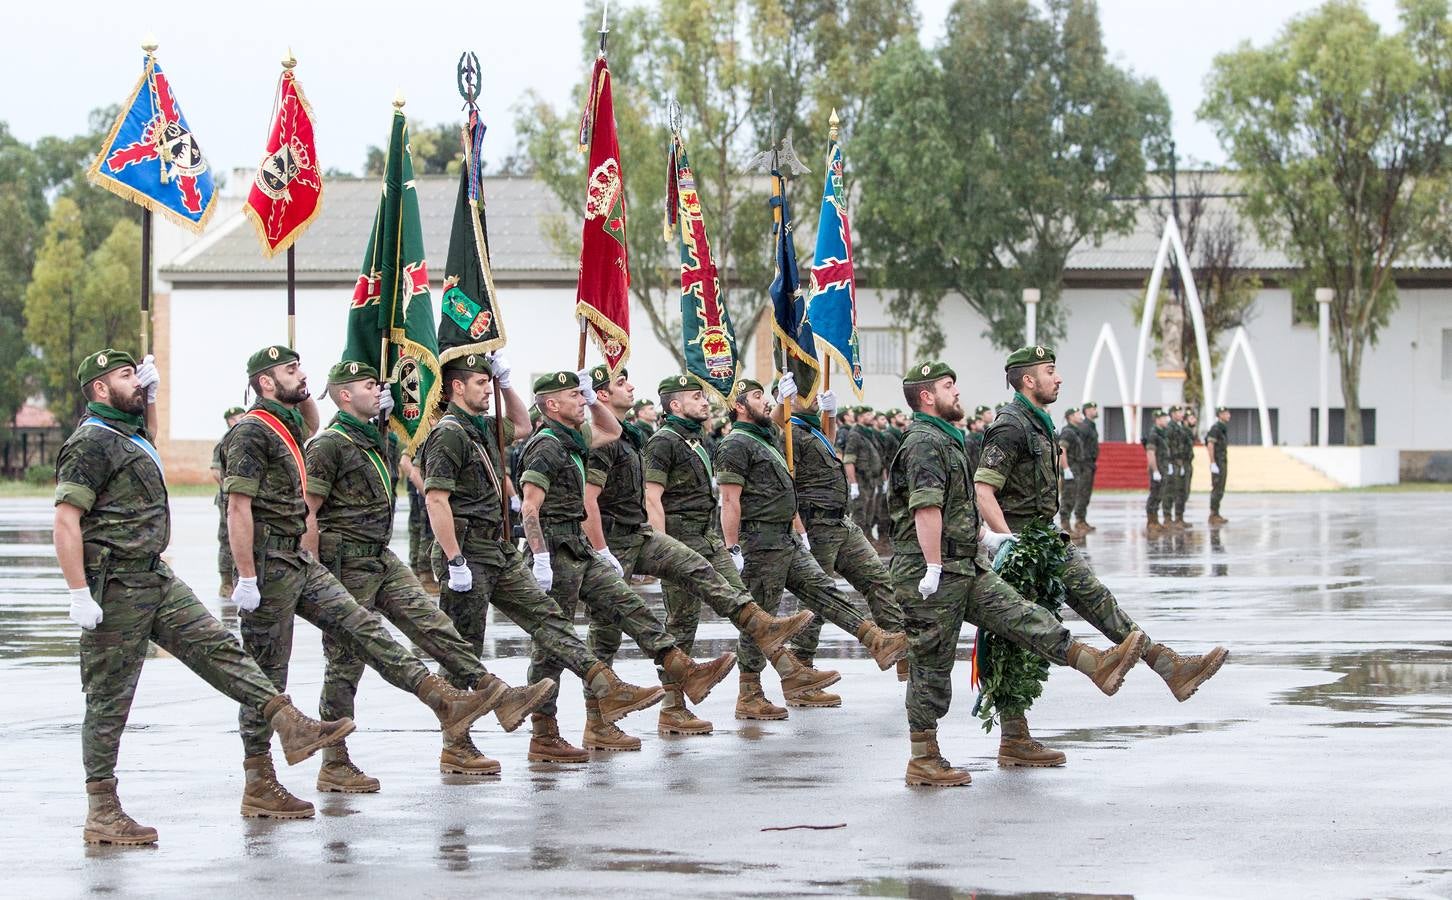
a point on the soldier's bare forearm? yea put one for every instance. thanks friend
(310, 532)
(604, 427)
(654, 508)
(239, 534)
(928, 522)
(731, 514)
(69, 550)
(441, 520)
(989, 510)
(517, 411)
(534, 496)
(594, 528)
(311, 417)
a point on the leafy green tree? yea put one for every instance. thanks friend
(23, 212)
(1340, 132)
(436, 150)
(984, 163)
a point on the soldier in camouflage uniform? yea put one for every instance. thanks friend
(836, 542)
(646, 417)
(1088, 466)
(1177, 486)
(112, 523)
(350, 499)
(1217, 444)
(224, 553)
(1070, 459)
(888, 440)
(1192, 432)
(863, 456)
(420, 532)
(942, 580)
(618, 527)
(973, 440)
(265, 478)
(759, 507)
(1015, 486)
(1157, 459)
(567, 565)
(474, 555)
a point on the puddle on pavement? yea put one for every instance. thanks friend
(1107, 735)
(926, 889)
(1402, 688)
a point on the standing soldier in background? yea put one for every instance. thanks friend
(224, 552)
(863, 458)
(1157, 459)
(888, 440)
(646, 417)
(420, 532)
(112, 522)
(1217, 444)
(1069, 464)
(1088, 465)
(1192, 435)
(1177, 487)
(973, 440)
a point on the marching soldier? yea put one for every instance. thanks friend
(224, 553)
(112, 522)
(759, 508)
(863, 458)
(941, 582)
(1217, 447)
(1157, 459)
(888, 440)
(475, 557)
(567, 565)
(1088, 466)
(420, 533)
(350, 501)
(681, 501)
(1070, 465)
(265, 478)
(619, 529)
(973, 440)
(1015, 486)
(834, 539)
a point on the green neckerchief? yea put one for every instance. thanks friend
(572, 440)
(942, 425)
(459, 412)
(633, 433)
(289, 415)
(343, 422)
(116, 415)
(812, 419)
(1039, 414)
(687, 427)
(690, 431)
(367, 429)
(763, 436)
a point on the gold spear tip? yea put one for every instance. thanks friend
(149, 43)
(398, 100)
(833, 120)
(288, 60)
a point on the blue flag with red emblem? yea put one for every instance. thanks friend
(789, 305)
(832, 307)
(151, 157)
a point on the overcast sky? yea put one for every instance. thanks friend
(65, 59)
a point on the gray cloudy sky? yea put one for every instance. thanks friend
(63, 60)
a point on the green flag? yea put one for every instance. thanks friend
(470, 321)
(392, 319)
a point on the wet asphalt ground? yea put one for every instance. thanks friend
(1315, 764)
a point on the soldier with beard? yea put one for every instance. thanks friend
(112, 522)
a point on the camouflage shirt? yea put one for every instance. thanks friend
(677, 459)
(931, 470)
(619, 471)
(750, 458)
(1088, 440)
(456, 457)
(1157, 442)
(821, 478)
(973, 446)
(891, 439)
(554, 462)
(1220, 435)
(1019, 461)
(257, 464)
(117, 486)
(1181, 442)
(861, 451)
(354, 476)
(1073, 443)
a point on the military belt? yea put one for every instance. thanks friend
(360, 550)
(285, 543)
(623, 529)
(811, 515)
(766, 527)
(132, 564)
(948, 549)
(691, 525)
(560, 529)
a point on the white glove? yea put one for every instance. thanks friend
(992, 540)
(827, 403)
(614, 563)
(515, 503)
(806, 542)
(853, 491)
(587, 387)
(1068, 474)
(737, 559)
(148, 377)
(929, 585)
(1214, 469)
(385, 402)
(1155, 475)
(882, 487)
(502, 370)
(461, 578)
(786, 387)
(246, 595)
(1170, 468)
(85, 611)
(543, 574)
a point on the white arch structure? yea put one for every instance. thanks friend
(1239, 344)
(1106, 340)
(1171, 239)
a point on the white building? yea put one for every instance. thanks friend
(219, 300)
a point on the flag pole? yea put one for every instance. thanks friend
(604, 33)
(145, 281)
(288, 63)
(829, 423)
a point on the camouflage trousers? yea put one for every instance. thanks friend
(1156, 491)
(1068, 494)
(1170, 493)
(225, 567)
(502, 577)
(864, 508)
(1084, 479)
(1217, 488)
(294, 584)
(783, 564)
(687, 577)
(683, 606)
(1183, 497)
(1086, 595)
(933, 625)
(841, 548)
(153, 606)
(420, 531)
(383, 584)
(582, 574)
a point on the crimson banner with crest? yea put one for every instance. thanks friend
(287, 191)
(603, 295)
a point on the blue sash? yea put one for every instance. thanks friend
(818, 435)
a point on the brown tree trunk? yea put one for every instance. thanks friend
(1349, 355)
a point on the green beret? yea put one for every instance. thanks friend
(600, 377)
(1029, 356)
(1070, 411)
(1161, 412)
(980, 410)
(1090, 404)
(1221, 409)
(233, 411)
(101, 362)
(478, 363)
(641, 404)
(349, 371)
(554, 382)
(676, 384)
(267, 357)
(746, 385)
(927, 371)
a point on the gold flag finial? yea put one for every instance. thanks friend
(832, 123)
(398, 100)
(149, 44)
(288, 60)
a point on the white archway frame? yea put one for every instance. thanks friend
(1106, 339)
(1240, 343)
(1171, 240)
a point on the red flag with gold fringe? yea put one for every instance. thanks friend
(287, 192)
(603, 295)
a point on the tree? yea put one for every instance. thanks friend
(1340, 132)
(436, 150)
(987, 161)
(22, 218)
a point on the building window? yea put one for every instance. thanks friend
(1338, 426)
(884, 351)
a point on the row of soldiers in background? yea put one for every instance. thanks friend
(1170, 457)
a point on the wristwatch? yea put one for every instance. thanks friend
(458, 561)
(734, 548)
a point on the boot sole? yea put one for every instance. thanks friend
(91, 837)
(1129, 661)
(923, 782)
(761, 717)
(1185, 692)
(828, 679)
(446, 769)
(724, 669)
(655, 696)
(683, 731)
(539, 694)
(892, 661)
(545, 758)
(610, 748)
(770, 651)
(332, 788)
(252, 812)
(812, 704)
(298, 754)
(1009, 762)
